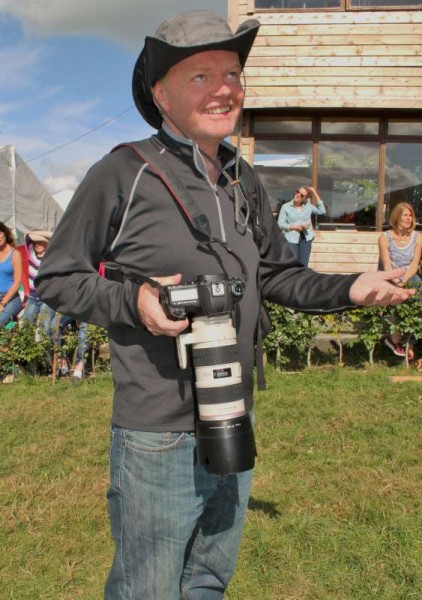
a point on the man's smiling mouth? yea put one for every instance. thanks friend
(217, 111)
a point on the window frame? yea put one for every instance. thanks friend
(350, 7)
(382, 137)
(340, 8)
(345, 6)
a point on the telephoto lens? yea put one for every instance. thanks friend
(225, 437)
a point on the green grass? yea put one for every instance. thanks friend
(335, 511)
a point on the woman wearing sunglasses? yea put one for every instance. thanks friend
(296, 223)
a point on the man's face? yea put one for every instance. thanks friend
(203, 95)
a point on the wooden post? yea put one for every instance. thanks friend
(54, 365)
(315, 158)
(381, 178)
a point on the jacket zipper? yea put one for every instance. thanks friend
(200, 165)
(220, 215)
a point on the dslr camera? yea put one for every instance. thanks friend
(225, 438)
(207, 296)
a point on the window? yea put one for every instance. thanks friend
(348, 182)
(293, 5)
(273, 126)
(401, 127)
(349, 126)
(383, 3)
(297, 4)
(403, 177)
(341, 156)
(283, 166)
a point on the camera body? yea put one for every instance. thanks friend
(225, 437)
(207, 296)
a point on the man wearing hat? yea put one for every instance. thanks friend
(176, 525)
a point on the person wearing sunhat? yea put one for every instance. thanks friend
(36, 243)
(177, 525)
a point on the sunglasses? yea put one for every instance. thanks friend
(300, 194)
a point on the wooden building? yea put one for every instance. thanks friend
(334, 99)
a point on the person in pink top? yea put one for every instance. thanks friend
(36, 243)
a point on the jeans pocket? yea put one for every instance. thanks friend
(152, 441)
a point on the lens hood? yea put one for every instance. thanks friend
(226, 446)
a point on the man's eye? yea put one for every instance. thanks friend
(199, 77)
(234, 75)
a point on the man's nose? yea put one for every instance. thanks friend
(222, 88)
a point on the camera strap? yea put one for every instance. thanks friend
(150, 152)
(117, 272)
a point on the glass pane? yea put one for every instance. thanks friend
(356, 3)
(404, 127)
(348, 182)
(283, 166)
(292, 4)
(403, 177)
(280, 126)
(351, 127)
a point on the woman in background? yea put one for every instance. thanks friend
(10, 276)
(295, 220)
(36, 243)
(401, 247)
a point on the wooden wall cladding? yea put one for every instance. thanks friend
(333, 59)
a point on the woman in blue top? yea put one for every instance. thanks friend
(295, 221)
(10, 276)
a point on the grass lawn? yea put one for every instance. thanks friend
(335, 511)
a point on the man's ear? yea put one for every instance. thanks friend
(160, 96)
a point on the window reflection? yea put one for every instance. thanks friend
(403, 177)
(349, 127)
(348, 182)
(399, 127)
(347, 171)
(274, 126)
(283, 166)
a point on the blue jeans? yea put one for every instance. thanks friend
(37, 308)
(302, 250)
(177, 528)
(83, 344)
(10, 311)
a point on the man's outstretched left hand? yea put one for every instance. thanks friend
(375, 288)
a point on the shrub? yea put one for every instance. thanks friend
(31, 348)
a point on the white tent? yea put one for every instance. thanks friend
(63, 198)
(25, 205)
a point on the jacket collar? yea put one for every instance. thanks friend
(187, 148)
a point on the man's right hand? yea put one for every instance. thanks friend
(151, 312)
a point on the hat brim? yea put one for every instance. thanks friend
(157, 57)
(43, 236)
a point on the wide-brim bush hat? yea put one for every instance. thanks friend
(178, 38)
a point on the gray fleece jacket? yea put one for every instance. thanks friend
(122, 212)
